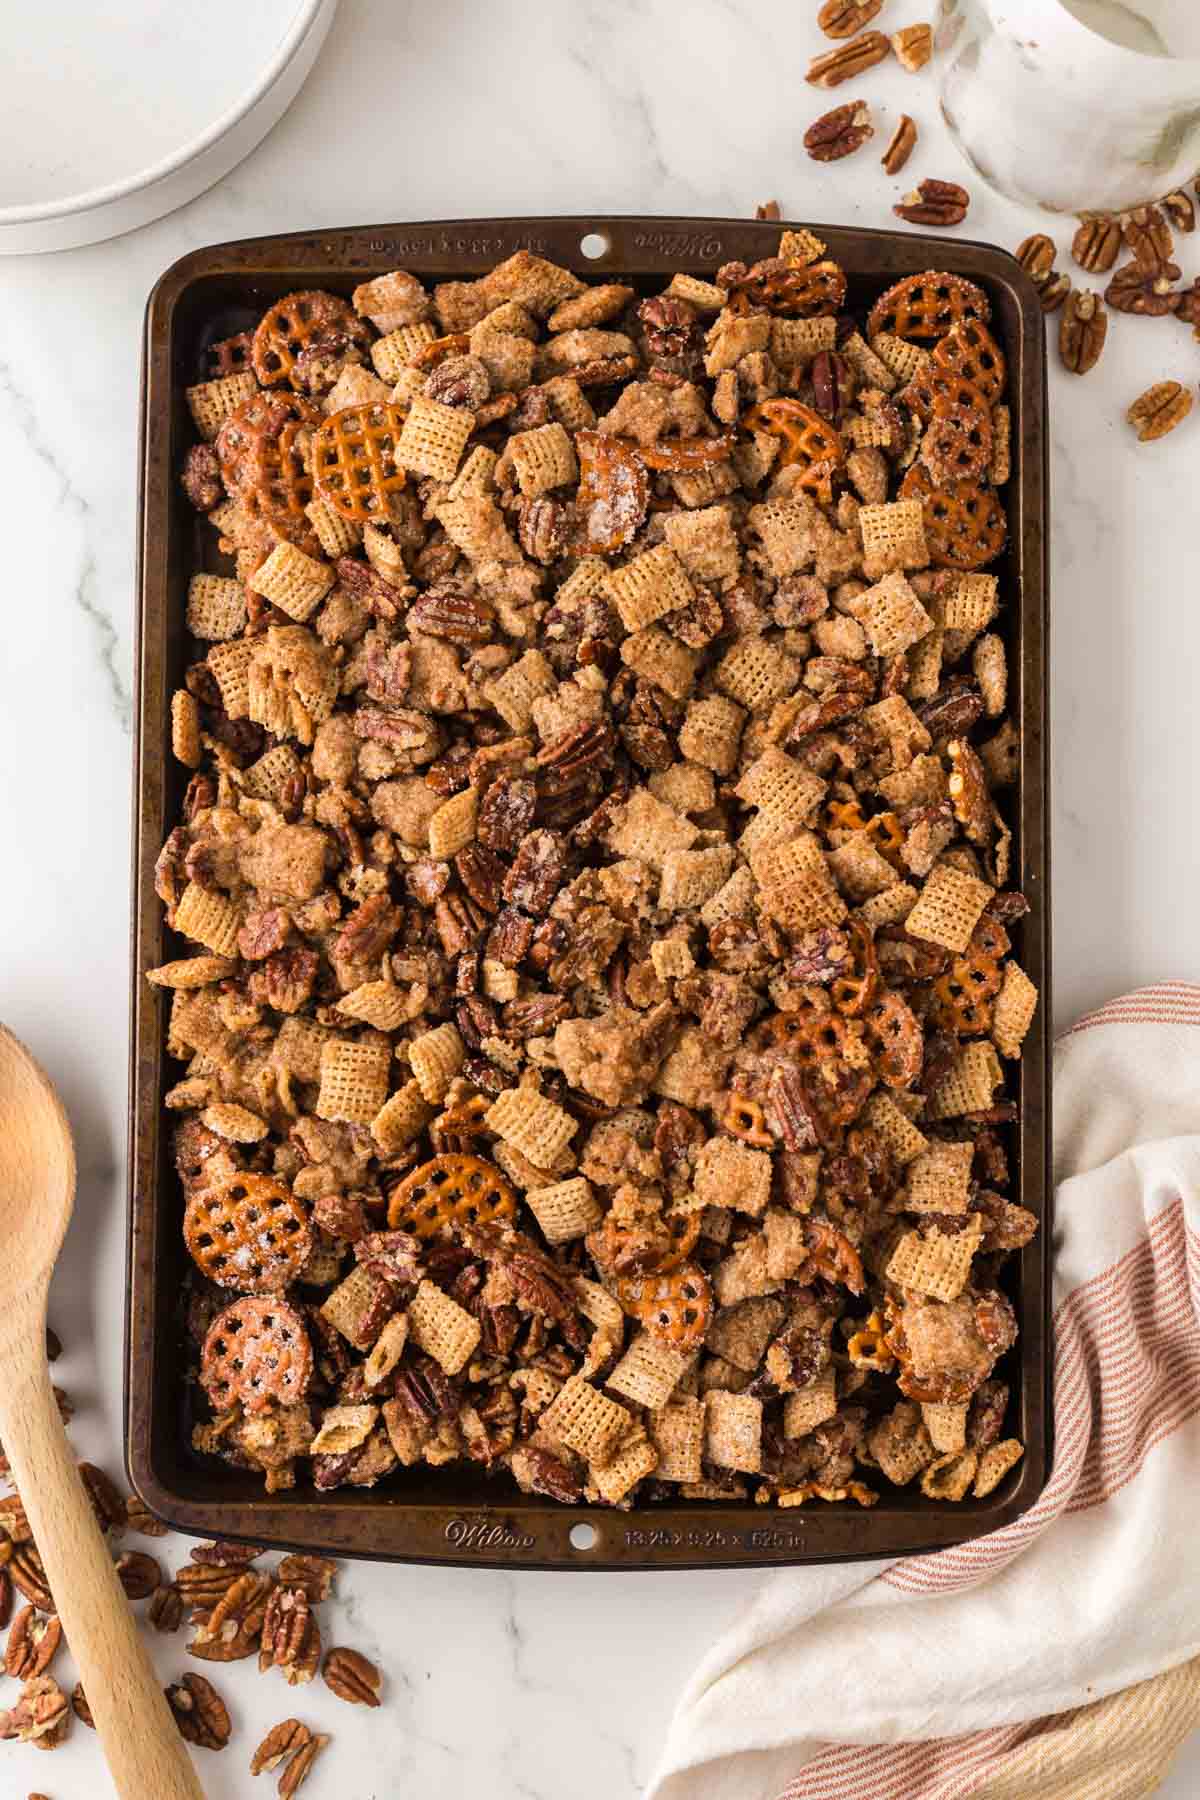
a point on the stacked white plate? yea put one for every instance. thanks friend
(113, 114)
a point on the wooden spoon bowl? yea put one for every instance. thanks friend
(146, 1756)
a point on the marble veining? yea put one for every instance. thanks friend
(519, 1685)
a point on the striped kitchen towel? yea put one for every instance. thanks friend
(1058, 1658)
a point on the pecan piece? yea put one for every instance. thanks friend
(41, 1715)
(543, 528)
(138, 1574)
(282, 1740)
(351, 1676)
(107, 1503)
(200, 1713)
(1147, 292)
(537, 873)
(547, 1474)
(286, 981)
(1082, 331)
(427, 880)
(201, 478)
(830, 377)
(80, 1707)
(459, 381)
(1180, 210)
(368, 931)
(458, 922)
(900, 148)
(850, 59)
(842, 18)
(265, 931)
(389, 670)
(1159, 410)
(931, 202)
(506, 813)
(913, 45)
(219, 1553)
(839, 132)
(669, 325)
(31, 1644)
(1096, 245)
(29, 1577)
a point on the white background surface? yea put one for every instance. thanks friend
(526, 1687)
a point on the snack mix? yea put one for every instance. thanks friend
(594, 983)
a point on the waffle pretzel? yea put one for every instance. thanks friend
(965, 526)
(677, 456)
(294, 323)
(971, 352)
(675, 1307)
(896, 1039)
(260, 448)
(249, 1233)
(926, 306)
(354, 461)
(808, 1035)
(746, 1121)
(447, 1192)
(852, 991)
(957, 445)
(788, 290)
(803, 436)
(256, 1352)
(613, 492)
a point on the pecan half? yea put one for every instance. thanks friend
(447, 611)
(200, 1713)
(830, 376)
(313, 1573)
(165, 1611)
(842, 18)
(839, 132)
(286, 1627)
(1096, 245)
(543, 527)
(282, 1740)
(1148, 292)
(1148, 236)
(351, 1676)
(903, 143)
(1036, 255)
(848, 60)
(138, 1574)
(31, 1644)
(297, 1770)
(107, 1503)
(1082, 331)
(201, 478)
(80, 1707)
(939, 203)
(1054, 290)
(29, 1577)
(1159, 410)
(219, 1553)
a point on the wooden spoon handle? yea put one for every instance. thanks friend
(146, 1755)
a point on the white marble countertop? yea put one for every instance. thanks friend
(527, 1686)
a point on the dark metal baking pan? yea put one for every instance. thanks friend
(455, 1515)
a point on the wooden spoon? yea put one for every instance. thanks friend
(146, 1755)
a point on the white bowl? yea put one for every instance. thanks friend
(112, 115)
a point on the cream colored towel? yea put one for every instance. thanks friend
(1058, 1659)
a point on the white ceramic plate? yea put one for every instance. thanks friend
(113, 114)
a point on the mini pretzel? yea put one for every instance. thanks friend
(896, 1039)
(963, 995)
(927, 306)
(683, 1229)
(354, 461)
(971, 351)
(804, 437)
(814, 291)
(454, 1130)
(852, 992)
(965, 526)
(675, 456)
(295, 322)
(249, 1233)
(675, 1307)
(842, 815)
(613, 492)
(832, 1256)
(867, 1347)
(887, 834)
(260, 450)
(430, 355)
(447, 1192)
(256, 1352)
(745, 1120)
